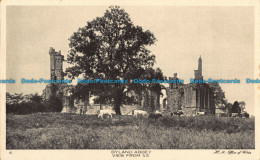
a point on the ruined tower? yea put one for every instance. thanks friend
(198, 73)
(56, 72)
(56, 61)
(63, 91)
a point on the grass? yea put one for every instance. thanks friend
(68, 131)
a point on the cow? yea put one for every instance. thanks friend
(108, 112)
(177, 113)
(245, 115)
(235, 115)
(157, 114)
(200, 113)
(139, 112)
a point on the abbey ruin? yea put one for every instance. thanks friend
(188, 98)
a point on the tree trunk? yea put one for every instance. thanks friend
(118, 100)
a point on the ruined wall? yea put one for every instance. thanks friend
(190, 98)
(189, 107)
(205, 99)
(47, 91)
(175, 95)
(150, 99)
(174, 99)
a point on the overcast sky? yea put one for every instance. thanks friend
(223, 36)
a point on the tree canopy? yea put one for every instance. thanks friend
(219, 95)
(111, 47)
(236, 108)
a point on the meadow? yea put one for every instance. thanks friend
(70, 131)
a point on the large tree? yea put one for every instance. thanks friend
(219, 95)
(111, 47)
(236, 108)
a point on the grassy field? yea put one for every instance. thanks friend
(67, 131)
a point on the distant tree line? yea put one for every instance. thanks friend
(222, 103)
(236, 107)
(31, 103)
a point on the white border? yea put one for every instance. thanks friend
(106, 154)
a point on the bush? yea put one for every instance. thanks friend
(24, 108)
(32, 103)
(53, 104)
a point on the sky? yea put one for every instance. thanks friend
(223, 36)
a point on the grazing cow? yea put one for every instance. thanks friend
(157, 114)
(200, 113)
(234, 115)
(139, 112)
(178, 113)
(106, 112)
(245, 115)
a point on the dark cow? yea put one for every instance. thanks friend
(157, 114)
(178, 113)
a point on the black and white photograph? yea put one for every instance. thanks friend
(130, 80)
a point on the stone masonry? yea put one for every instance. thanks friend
(190, 98)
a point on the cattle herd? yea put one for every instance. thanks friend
(109, 112)
(155, 114)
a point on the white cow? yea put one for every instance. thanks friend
(139, 112)
(158, 112)
(234, 115)
(106, 112)
(200, 113)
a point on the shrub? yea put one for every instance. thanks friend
(53, 104)
(25, 108)
(32, 103)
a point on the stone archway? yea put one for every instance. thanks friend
(164, 97)
(164, 107)
(67, 100)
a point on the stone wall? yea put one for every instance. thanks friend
(190, 98)
(149, 99)
(173, 99)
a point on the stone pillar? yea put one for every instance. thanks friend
(158, 101)
(198, 99)
(164, 103)
(193, 97)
